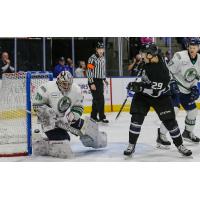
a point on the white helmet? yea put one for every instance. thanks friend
(64, 81)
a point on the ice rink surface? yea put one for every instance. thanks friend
(117, 131)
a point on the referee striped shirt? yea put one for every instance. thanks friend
(96, 68)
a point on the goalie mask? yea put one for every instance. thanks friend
(64, 81)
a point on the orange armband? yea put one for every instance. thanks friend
(90, 66)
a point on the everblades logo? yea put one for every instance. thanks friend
(63, 104)
(190, 74)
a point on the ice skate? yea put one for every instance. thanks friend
(162, 141)
(184, 151)
(190, 137)
(130, 150)
(104, 121)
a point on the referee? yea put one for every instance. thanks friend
(96, 74)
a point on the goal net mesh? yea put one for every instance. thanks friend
(13, 111)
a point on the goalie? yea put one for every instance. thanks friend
(59, 106)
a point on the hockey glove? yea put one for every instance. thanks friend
(135, 86)
(174, 87)
(69, 117)
(130, 93)
(194, 95)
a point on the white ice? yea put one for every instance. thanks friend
(117, 132)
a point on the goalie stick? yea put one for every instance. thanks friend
(67, 127)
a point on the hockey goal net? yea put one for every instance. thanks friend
(16, 116)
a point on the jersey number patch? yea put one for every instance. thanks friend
(156, 86)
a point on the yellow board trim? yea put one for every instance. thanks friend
(116, 108)
(13, 114)
(88, 109)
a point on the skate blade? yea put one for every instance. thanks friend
(188, 157)
(190, 141)
(128, 157)
(163, 147)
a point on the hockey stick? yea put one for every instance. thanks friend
(66, 127)
(122, 107)
(138, 75)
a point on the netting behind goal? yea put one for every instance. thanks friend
(16, 92)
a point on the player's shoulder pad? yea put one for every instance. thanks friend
(50, 84)
(43, 87)
(179, 54)
(76, 88)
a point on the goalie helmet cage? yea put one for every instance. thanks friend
(17, 91)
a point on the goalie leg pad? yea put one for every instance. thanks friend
(99, 141)
(60, 149)
(92, 137)
(89, 127)
(41, 148)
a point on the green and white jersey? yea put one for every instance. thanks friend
(49, 94)
(185, 70)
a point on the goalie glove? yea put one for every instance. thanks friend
(45, 113)
(130, 93)
(46, 117)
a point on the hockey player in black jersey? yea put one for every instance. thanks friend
(153, 90)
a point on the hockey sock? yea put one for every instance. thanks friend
(174, 131)
(190, 120)
(163, 129)
(135, 128)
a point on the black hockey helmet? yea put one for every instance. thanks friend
(100, 45)
(150, 48)
(193, 41)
